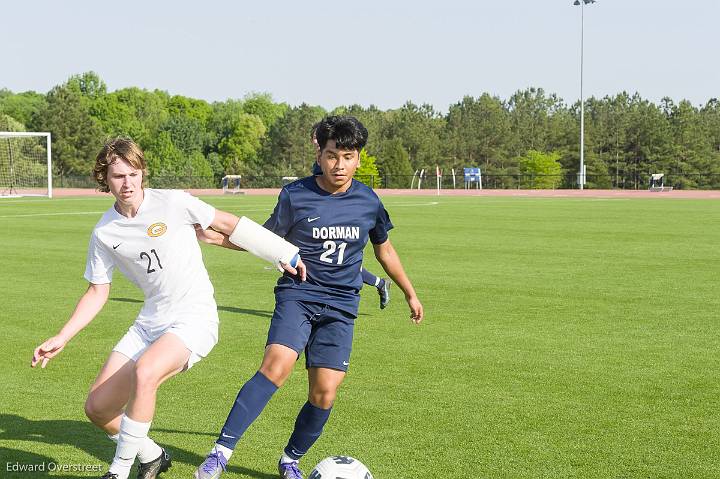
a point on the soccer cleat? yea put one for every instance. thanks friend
(213, 466)
(289, 470)
(109, 475)
(384, 293)
(152, 469)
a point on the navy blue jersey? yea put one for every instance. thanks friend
(331, 232)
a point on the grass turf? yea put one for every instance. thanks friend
(563, 338)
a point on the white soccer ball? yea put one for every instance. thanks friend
(340, 467)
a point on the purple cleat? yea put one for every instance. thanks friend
(289, 470)
(213, 466)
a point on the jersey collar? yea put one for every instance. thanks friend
(312, 183)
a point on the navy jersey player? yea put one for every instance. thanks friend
(330, 218)
(381, 285)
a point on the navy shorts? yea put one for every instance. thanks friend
(323, 332)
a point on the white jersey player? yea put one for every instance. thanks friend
(158, 252)
(149, 235)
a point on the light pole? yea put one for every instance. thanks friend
(581, 175)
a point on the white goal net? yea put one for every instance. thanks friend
(25, 164)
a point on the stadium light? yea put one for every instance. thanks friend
(581, 175)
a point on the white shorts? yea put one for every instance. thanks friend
(198, 336)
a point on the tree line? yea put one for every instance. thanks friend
(532, 134)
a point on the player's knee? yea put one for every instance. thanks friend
(276, 372)
(94, 410)
(322, 397)
(146, 377)
(90, 409)
(277, 364)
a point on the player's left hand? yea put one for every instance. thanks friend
(416, 309)
(299, 269)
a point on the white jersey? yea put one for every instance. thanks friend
(158, 251)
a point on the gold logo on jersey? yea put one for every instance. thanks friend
(156, 229)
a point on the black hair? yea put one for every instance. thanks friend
(313, 132)
(347, 131)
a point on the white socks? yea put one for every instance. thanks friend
(132, 435)
(149, 450)
(227, 452)
(284, 459)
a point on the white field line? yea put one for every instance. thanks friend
(395, 205)
(78, 213)
(12, 202)
(55, 214)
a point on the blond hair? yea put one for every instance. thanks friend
(113, 150)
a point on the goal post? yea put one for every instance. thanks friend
(25, 164)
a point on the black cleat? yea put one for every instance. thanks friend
(152, 469)
(109, 475)
(384, 293)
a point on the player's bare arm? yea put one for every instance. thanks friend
(89, 305)
(210, 236)
(224, 222)
(390, 261)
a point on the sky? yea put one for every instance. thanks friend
(370, 52)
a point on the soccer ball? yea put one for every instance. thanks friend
(340, 467)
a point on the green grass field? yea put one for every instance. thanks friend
(563, 338)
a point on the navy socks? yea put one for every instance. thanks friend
(371, 279)
(250, 401)
(308, 427)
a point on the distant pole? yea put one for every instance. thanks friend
(438, 178)
(582, 100)
(581, 175)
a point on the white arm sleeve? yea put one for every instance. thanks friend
(263, 243)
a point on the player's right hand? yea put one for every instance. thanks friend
(208, 236)
(299, 269)
(48, 350)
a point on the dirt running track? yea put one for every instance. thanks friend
(692, 194)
